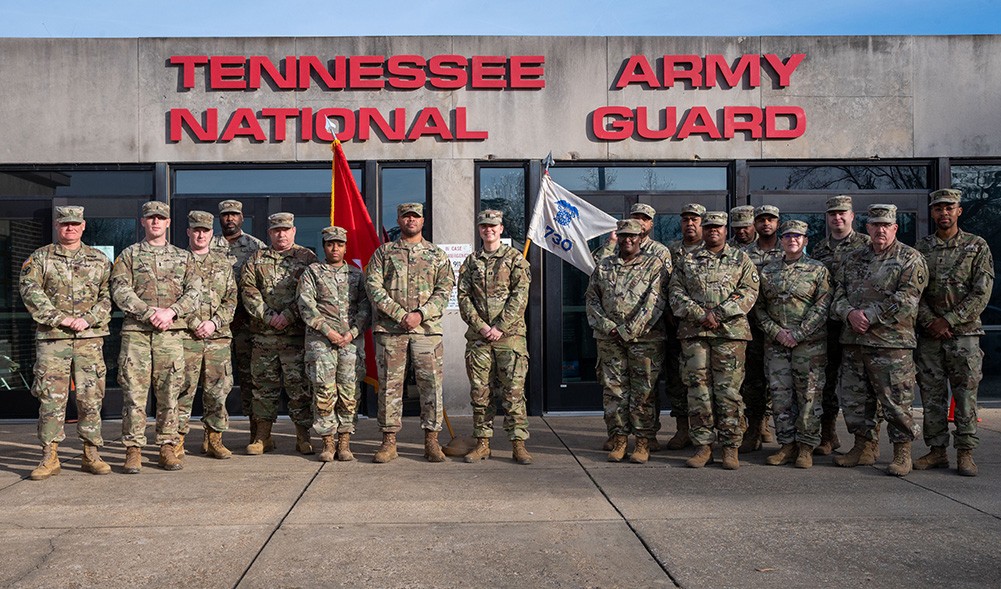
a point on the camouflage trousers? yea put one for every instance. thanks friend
(206, 362)
(157, 359)
(713, 368)
(830, 396)
(873, 376)
(498, 369)
(333, 378)
(796, 381)
(754, 390)
(676, 390)
(278, 360)
(941, 364)
(427, 354)
(628, 376)
(243, 350)
(60, 364)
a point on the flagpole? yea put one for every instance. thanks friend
(548, 161)
(332, 129)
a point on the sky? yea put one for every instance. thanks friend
(308, 18)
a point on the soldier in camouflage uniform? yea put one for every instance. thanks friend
(157, 286)
(742, 225)
(792, 308)
(64, 286)
(712, 291)
(269, 282)
(765, 250)
(842, 239)
(239, 246)
(691, 240)
(876, 295)
(334, 306)
(409, 282)
(207, 340)
(960, 281)
(625, 306)
(493, 295)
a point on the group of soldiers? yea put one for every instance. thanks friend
(753, 327)
(283, 320)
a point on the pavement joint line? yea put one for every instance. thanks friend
(950, 498)
(629, 524)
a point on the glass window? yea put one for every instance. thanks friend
(817, 223)
(504, 189)
(846, 177)
(397, 186)
(907, 226)
(257, 181)
(640, 178)
(76, 182)
(981, 186)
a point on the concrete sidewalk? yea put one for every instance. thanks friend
(569, 520)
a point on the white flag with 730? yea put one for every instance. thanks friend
(563, 222)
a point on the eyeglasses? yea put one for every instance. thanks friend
(793, 236)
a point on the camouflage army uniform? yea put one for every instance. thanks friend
(146, 276)
(239, 250)
(960, 281)
(878, 366)
(334, 298)
(57, 283)
(493, 291)
(400, 278)
(795, 296)
(713, 360)
(268, 288)
(208, 360)
(754, 390)
(676, 390)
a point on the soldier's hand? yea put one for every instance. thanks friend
(710, 321)
(334, 337)
(162, 319)
(785, 338)
(278, 322)
(495, 334)
(858, 321)
(346, 338)
(485, 332)
(75, 323)
(940, 329)
(205, 329)
(411, 320)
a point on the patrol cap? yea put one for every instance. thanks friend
(882, 214)
(200, 220)
(281, 221)
(950, 195)
(230, 206)
(795, 226)
(490, 217)
(69, 214)
(766, 210)
(742, 216)
(155, 208)
(628, 227)
(643, 209)
(841, 202)
(335, 233)
(410, 207)
(693, 208)
(714, 219)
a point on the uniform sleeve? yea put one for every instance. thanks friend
(911, 283)
(123, 292)
(682, 305)
(741, 300)
(444, 280)
(925, 313)
(191, 290)
(650, 307)
(840, 305)
(361, 318)
(306, 302)
(467, 310)
(100, 313)
(375, 276)
(760, 313)
(31, 285)
(253, 300)
(603, 251)
(970, 308)
(227, 304)
(517, 298)
(596, 316)
(816, 315)
(304, 258)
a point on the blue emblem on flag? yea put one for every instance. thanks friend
(567, 213)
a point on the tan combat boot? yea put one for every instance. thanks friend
(253, 430)
(262, 442)
(901, 464)
(829, 441)
(168, 458)
(730, 461)
(343, 453)
(870, 454)
(328, 451)
(935, 458)
(50, 463)
(641, 452)
(215, 447)
(703, 456)
(853, 457)
(964, 462)
(133, 460)
(480, 452)
(387, 451)
(179, 447)
(752, 437)
(519, 453)
(432, 450)
(609, 443)
(205, 440)
(680, 440)
(302, 443)
(91, 461)
(618, 451)
(767, 435)
(786, 454)
(805, 458)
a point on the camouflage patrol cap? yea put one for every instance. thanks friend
(69, 214)
(490, 217)
(950, 195)
(335, 233)
(714, 219)
(693, 208)
(410, 207)
(841, 202)
(644, 209)
(281, 221)
(155, 208)
(742, 216)
(766, 210)
(628, 227)
(882, 214)
(794, 226)
(200, 220)
(230, 206)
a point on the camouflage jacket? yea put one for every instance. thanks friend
(146, 276)
(794, 296)
(679, 250)
(57, 283)
(268, 286)
(761, 257)
(960, 281)
(493, 292)
(648, 246)
(333, 298)
(832, 253)
(887, 288)
(725, 283)
(402, 277)
(218, 294)
(627, 297)
(239, 249)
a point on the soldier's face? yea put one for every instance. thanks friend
(744, 234)
(766, 225)
(334, 251)
(840, 221)
(155, 226)
(69, 234)
(691, 227)
(231, 223)
(629, 245)
(714, 235)
(410, 224)
(282, 238)
(199, 238)
(882, 234)
(490, 234)
(793, 243)
(645, 222)
(946, 215)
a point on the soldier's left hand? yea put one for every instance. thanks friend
(785, 338)
(162, 319)
(940, 329)
(205, 329)
(278, 322)
(346, 338)
(494, 334)
(411, 320)
(75, 323)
